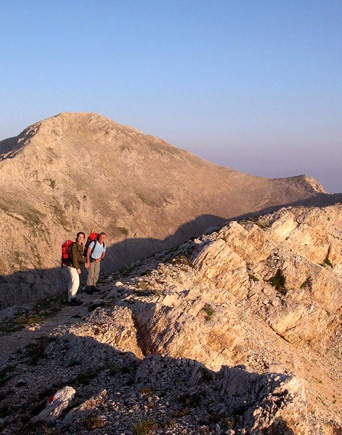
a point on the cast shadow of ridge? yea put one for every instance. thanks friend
(24, 287)
(132, 249)
(129, 250)
(112, 382)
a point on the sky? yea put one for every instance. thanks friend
(252, 85)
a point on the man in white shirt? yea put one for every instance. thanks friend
(95, 254)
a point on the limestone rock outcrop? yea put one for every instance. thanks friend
(235, 332)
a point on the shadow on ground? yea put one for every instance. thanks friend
(116, 391)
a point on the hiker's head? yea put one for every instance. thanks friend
(80, 237)
(101, 237)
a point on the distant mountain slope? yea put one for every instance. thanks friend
(76, 171)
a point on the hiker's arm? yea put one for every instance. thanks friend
(88, 255)
(74, 257)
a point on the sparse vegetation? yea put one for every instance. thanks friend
(143, 285)
(181, 412)
(253, 278)
(149, 201)
(305, 284)
(170, 424)
(338, 354)
(148, 391)
(60, 216)
(123, 230)
(182, 261)
(145, 427)
(209, 311)
(33, 217)
(37, 314)
(193, 400)
(36, 350)
(9, 327)
(93, 305)
(50, 431)
(51, 182)
(261, 225)
(123, 370)
(94, 421)
(243, 315)
(328, 263)
(278, 281)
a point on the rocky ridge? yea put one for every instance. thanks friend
(76, 171)
(234, 332)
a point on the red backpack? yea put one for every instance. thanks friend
(91, 238)
(66, 250)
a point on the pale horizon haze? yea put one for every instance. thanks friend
(253, 85)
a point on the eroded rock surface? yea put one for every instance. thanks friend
(235, 332)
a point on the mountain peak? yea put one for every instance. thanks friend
(88, 122)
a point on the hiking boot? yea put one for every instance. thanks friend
(90, 289)
(74, 303)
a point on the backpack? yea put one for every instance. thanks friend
(91, 238)
(66, 251)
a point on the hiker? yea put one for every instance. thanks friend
(74, 266)
(95, 254)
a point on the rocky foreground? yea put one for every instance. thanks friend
(236, 332)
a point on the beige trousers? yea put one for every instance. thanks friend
(74, 283)
(93, 273)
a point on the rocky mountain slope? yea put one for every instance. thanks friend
(234, 332)
(76, 171)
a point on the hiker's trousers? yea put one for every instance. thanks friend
(93, 273)
(74, 283)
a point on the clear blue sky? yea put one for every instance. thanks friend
(253, 85)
